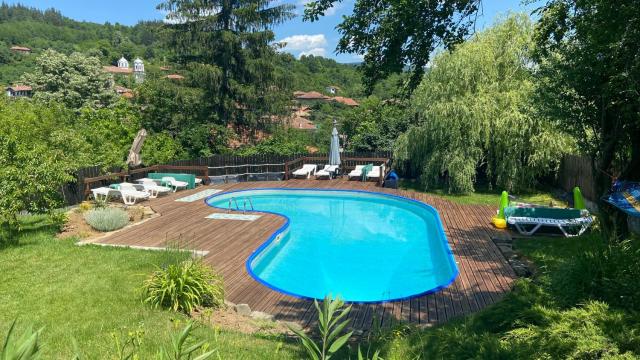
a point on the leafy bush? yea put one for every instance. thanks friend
(25, 347)
(330, 327)
(184, 286)
(107, 219)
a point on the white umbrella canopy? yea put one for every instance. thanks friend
(334, 150)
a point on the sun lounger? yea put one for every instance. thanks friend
(130, 195)
(102, 194)
(306, 170)
(357, 172)
(153, 189)
(375, 173)
(528, 220)
(173, 183)
(327, 172)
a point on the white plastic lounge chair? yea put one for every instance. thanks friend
(327, 172)
(375, 173)
(528, 226)
(153, 189)
(174, 184)
(198, 181)
(130, 195)
(102, 194)
(306, 170)
(357, 172)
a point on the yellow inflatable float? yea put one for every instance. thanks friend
(499, 220)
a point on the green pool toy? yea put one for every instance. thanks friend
(578, 200)
(504, 202)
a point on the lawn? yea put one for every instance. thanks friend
(91, 293)
(583, 303)
(484, 196)
(565, 312)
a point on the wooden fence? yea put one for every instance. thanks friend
(575, 170)
(253, 167)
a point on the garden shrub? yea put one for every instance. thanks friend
(184, 286)
(107, 219)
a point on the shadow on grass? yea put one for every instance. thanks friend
(31, 227)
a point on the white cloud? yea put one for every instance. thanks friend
(314, 52)
(305, 44)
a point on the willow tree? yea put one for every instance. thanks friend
(227, 44)
(474, 113)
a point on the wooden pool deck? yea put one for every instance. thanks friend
(484, 275)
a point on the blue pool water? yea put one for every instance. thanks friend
(363, 246)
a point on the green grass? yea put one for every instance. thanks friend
(543, 318)
(88, 293)
(483, 196)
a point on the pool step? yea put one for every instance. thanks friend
(242, 217)
(199, 195)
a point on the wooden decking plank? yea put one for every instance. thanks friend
(484, 273)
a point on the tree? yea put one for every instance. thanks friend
(589, 55)
(392, 35)
(374, 125)
(75, 80)
(227, 46)
(37, 156)
(475, 113)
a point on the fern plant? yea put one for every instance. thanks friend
(329, 328)
(107, 219)
(184, 286)
(25, 347)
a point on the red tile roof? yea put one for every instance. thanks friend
(302, 123)
(174, 77)
(312, 95)
(346, 101)
(19, 88)
(117, 70)
(165, 68)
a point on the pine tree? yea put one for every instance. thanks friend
(227, 44)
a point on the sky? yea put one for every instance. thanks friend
(317, 38)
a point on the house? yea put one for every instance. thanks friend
(298, 122)
(345, 101)
(21, 49)
(311, 95)
(124, 92)
(123, 69)
(333, 90)
(19, 91)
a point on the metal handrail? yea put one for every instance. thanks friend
(235, 202)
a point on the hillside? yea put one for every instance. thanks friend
(40, 30)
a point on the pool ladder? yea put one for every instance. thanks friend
(234, 201)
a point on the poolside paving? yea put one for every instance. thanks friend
(485, 275)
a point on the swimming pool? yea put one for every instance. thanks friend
(363, 246)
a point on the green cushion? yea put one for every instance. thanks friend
(188, 178)
(542, 212)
